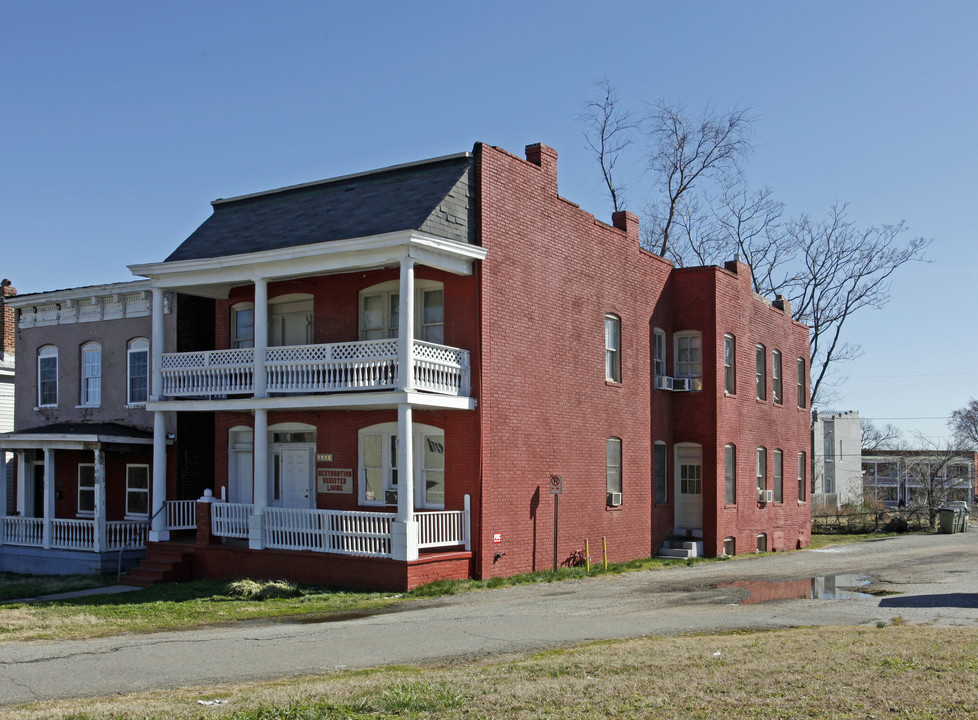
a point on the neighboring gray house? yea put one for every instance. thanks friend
(836, 459)
(81, 435)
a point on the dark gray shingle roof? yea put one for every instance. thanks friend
(434, 197)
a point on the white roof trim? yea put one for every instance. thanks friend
(79, 293)
(27, 440)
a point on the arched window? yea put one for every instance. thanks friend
(91, 375)
(137, 371)
(47, 376)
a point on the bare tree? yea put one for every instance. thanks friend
(608, 130)
(686, 150)
(879, 437)
(964, 424)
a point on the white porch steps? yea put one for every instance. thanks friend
(683, 544)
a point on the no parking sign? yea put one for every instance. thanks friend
(556, 484)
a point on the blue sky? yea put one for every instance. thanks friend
(121, 121)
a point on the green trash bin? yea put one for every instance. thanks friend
(946, 516)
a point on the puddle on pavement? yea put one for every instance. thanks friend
(825, 587)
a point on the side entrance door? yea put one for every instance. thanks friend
(689, 487)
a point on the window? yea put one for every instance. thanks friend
(47, 376)
(829, 447)
(729, 546)
(730, 474)
(91, 390)
(243, 326)
(612, 348)
(802, 395)
(380, 311)
(379, 472)
(776, 376)
(137, 490)
(761, 373)
(86, 489)
(661, 494)
(729, 364)
(801, 477)
(762, 542)
(778, 476)
(613, 468)
(659, 353)
(290, 320)
(761, 468)
(688, 355)
(690, 461)
(138, 371)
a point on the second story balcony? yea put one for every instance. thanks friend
(310, 369)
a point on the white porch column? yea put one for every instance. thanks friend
(157, 529)
(48, 537)
(156, 346)
(3, 487)
(22, 483)
(256, 539)
(405, 329)
(404, 530)
(99, 500)
(261, 336)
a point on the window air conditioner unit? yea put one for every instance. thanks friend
(614, 499)
(682, 384)
(663, 382)
(765, 496)
(390, 497)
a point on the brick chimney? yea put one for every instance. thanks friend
(546, 157)
(8, 321)
(624, 220)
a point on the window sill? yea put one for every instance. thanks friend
(87, 407)
(137, 518)
(612, 383)
(135, 406)
(44, 407)
(613, 508)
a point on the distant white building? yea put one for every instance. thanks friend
(836, 459)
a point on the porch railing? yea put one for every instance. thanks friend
(334, 531)
(333, 367)
(25, 531)
(443, 527)
(181, 514)
(73, 534)
(230, 519)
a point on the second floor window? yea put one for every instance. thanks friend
(243, 327)
(689, 357)
(761, 373)
(380, 312)
(47, 376)
(659, 353)
(802, 395)
(729, 364)
(612, 348)
(138, 371)
(91, 390)
(776, 388)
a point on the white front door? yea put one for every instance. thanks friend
(689, 487)
(292, 476)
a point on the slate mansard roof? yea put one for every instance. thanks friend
(432, 196)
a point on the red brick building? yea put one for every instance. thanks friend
(443, 338)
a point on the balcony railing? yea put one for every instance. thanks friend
(306, 369)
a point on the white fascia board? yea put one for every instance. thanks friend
(345, 401)
(324, 258)
(79, 293)
(39, 441)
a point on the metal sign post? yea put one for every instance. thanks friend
(556, 488)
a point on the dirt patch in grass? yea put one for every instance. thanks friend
(891, 671)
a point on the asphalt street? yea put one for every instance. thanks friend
(934, 578)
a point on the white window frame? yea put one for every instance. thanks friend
(778, 469)
(762, 468)
(777, 389)
(239, 341)
(47, 353)
(388, 434)
(761, 371)
(137, 346)
(730, 364)
(91, 374)
(613, 465)
(389, 293)
(730, 474)
(659, 352)
(86, 489)
(689, 469)
(688, 361)
(137, 491)
(802, 474)
(800, 382)
(294, 305)
(612, 348)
